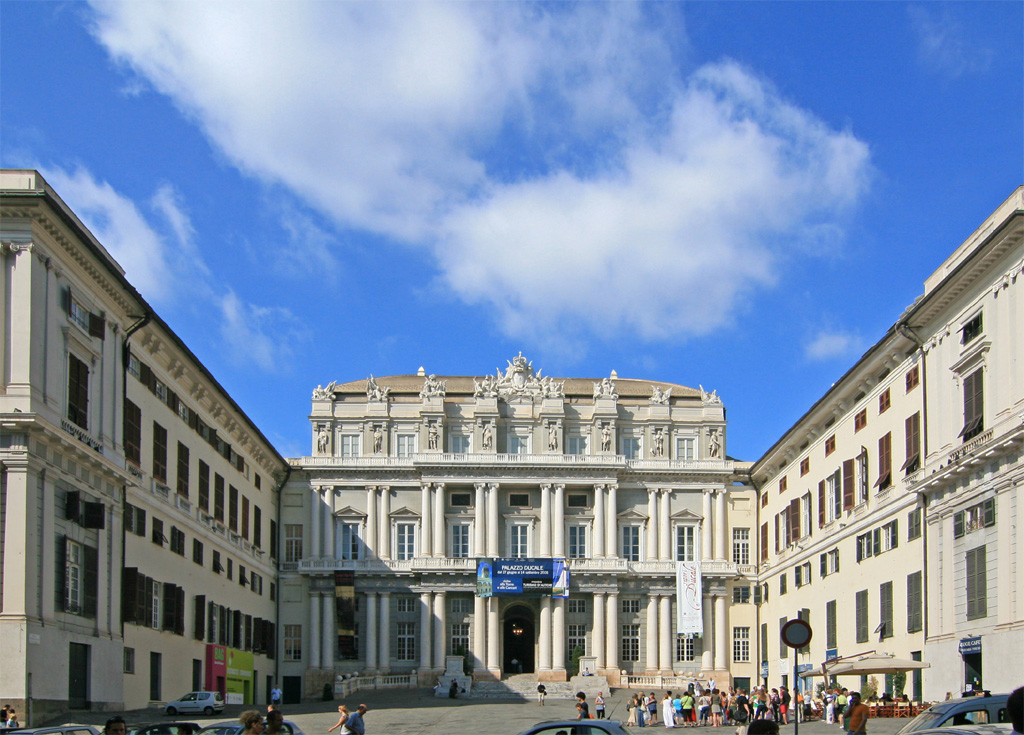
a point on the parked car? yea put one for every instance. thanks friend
(1002, 728)
(165, 728)
(979, 710)
(206, 702)
(235, 728)
(576, 727)
(59, 730)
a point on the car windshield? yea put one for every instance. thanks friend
(219, 730)
(929, 718)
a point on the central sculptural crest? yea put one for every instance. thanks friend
(518, 380)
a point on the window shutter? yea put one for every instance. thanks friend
(271, 640)
(72, 506)
(876, 541)
(90, 580)
(989, 511)
(958, 524)
(97, 326)
(94, 516)
(147, 603)
(895, 533)
(199, 617)
(794, 521)
(60, 578)
(836, 570)
(146, 376)
(179, 608)
(170, 601)
(65, 300)
(757, 594)
(824, 565)
(860, 549)
(821, 504)
(129, 584)
(848, 492)
(764, 541)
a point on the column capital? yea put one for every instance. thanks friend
(440, 593)
(424, 486)
(439, 486)
(480, 485)
(492, 485)
(559, 486)
(545, 486)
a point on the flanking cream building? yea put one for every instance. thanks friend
(890, 511)
(411, 478)
(119, 454)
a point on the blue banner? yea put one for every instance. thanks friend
(522, 577)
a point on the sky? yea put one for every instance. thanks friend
(738, 195)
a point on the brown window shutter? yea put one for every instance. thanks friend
(794, 521)
(821, 504)
(764, 541)
(97, 326)
(90, 579)
(848, 491)
(129, 582)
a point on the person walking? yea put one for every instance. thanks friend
(688, 703)
(841, 700)
(582, 706)
(631, 710)
(652, 709)
(343, 711)
(858, 715)
(668, 713)
(542, 692)
(355, 722)
(599, 705)
(716, 708)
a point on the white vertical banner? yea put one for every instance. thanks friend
(689, 597)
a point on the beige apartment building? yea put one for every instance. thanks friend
(889, 511)
(413, 478)
(136, 498)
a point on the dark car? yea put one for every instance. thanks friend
(235, 728)
(959, 712)
(576, 727)
(165, 728)
(1004, 728)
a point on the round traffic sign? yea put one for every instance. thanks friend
(796, 633)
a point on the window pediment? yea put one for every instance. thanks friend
(348, 512)
(405, 513)
(686, 516)
(631, 515)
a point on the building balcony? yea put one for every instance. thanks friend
(439, 459)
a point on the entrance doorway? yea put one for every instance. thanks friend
(519, 641)
(972, 672)
(78, 676)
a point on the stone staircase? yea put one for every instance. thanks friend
(524, 687)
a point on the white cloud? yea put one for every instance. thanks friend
(831, 345)
(255, 334)
(554, 162)
(944, 46)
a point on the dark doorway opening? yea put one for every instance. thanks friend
(78, 676)
(291, 689)
(972, 672)
(519, 640)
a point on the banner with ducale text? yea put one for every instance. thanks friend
(689, 597)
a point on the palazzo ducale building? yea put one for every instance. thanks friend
(414, 478)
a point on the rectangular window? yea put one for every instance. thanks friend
(685, 649)
(293, 643)
(204, 486)
(577, 638)
(406, 605)
(257, 526)
(577, 542)
(741, 546)
(460, 541)
(460, 639)
(233, 508)
(631, 543)
(245, 518)
(829, 562)
(197, 551)
(971, 330)
(783, 485)
(974, 399)
(861, 611)
(518, 443)
(349, 549)
(73, 577)
(576, 444)
(860, 420)
(78, 392)
(461, 605)
(157, 535)
(741, 595)
(405, 445)
(177, 541)
(577, 605)
(292, 542)
(630, 642)
(629, 446)
(741, 644)
(686, 447)
(132, 433)
(577, 500)
(884, 462)
(915, 602)
(805, 466)
(460, 500)
(803, 574)
(406, 642)
(885, 609)
(862, 477)
(182, 484)
(831, 635)
(519, 541)
(783, 582)
(349, 445)
(912, 429)
(159, 452)
(218, 497)
(458, 444)
(519, 500)
(217, 566)
(405, 541)
(914, 524)
(913, 378)
(884, 401)
(830, 445)
(685, 549)
(129, 660)
(977, 584)
(630, 606)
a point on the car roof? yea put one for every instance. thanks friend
(55, 728)
(954, 703)
(990, 728)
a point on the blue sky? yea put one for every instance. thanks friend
(742, 195)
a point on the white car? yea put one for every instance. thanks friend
(206, 702)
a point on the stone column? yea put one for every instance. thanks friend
(371, 631)
(558, 521)
(426, 526)
(651, 634)
(545, 634)
(330, 631)
(652, 524)
(613, 633)
(665, 537)
(721, 635)
(558, 635)
(599, 522)
(315, 523)
(721, 539)
(493, 627)
(481, 521)
(707, 660)
(328, 511)
(384, 540)
(545, 519)
(612, 528)
(440, 626)
(705, 527)
(480, 633)
(492, 528)
(426, 629)
(315, 632)
(598, 634)
(385, 632)
(665, 634)
(371, 521)
(439, 530)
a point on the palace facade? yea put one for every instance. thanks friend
(412, 477)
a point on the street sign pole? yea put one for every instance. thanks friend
(796, 634)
